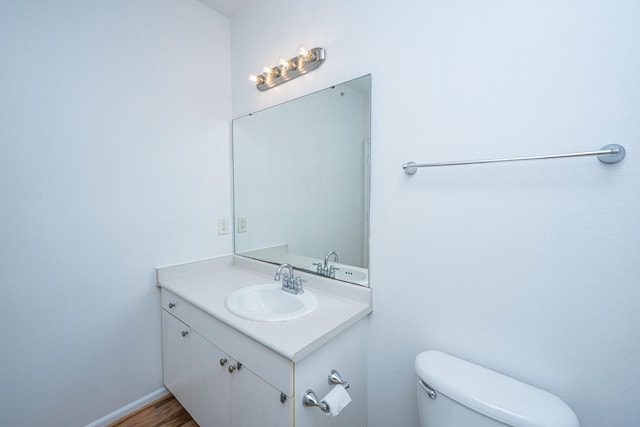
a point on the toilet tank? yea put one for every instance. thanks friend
(470, 395)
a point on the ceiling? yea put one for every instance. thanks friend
(226, 7)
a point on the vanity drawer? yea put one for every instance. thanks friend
(262, 361)
(175, 305)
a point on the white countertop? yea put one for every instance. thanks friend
(206, 285)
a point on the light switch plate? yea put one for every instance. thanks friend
(242, 224)
(223, 226)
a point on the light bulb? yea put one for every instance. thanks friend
(256, 79)
(270, 72)
(305, 54)
(286, 64)
(302, 52)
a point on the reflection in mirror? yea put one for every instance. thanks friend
(301, 182)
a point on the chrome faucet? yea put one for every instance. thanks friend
(290, 283)
(282, 267)
(325, 269)
(328, 255)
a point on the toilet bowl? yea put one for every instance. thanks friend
(455, 393)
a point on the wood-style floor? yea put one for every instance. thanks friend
(164, 412)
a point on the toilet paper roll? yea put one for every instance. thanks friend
(337, 399)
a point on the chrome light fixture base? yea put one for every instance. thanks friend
(294, 67)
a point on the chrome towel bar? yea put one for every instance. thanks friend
(612, 153)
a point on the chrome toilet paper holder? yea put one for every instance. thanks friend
(335, 379)
(310, 398)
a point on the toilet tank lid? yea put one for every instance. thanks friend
(492, 394)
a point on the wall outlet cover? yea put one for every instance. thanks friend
(242, 225)
(223, 226)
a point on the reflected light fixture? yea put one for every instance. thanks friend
(289, 68)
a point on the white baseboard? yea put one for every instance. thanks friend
(127, 409)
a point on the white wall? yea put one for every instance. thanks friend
(114, 159)
(527, 268)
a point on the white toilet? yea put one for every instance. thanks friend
(455, 393)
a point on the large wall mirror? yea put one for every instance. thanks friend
(301, 182)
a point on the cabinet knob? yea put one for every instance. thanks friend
(223, 362)
(231, 368)
(185, 333)
(171, 305)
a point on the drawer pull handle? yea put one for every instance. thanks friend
(231, 368)
(223, 362)
(171, 305)
(185, 333)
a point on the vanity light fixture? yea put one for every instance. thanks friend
(289, 68)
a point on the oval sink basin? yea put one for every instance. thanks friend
(269, 303)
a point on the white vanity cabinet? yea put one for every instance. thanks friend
(255, 402)
(227, 393)
(210, 383)
(176, 353)
(232, 372)
(215, 388)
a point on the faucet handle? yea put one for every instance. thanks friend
(287, 282)
(298, 285)
(332, 271)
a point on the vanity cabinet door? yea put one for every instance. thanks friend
(176, 354)
(254, 402)
(211, 403)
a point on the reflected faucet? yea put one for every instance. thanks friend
(328, 255)
(290, 283)
(325, 269)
